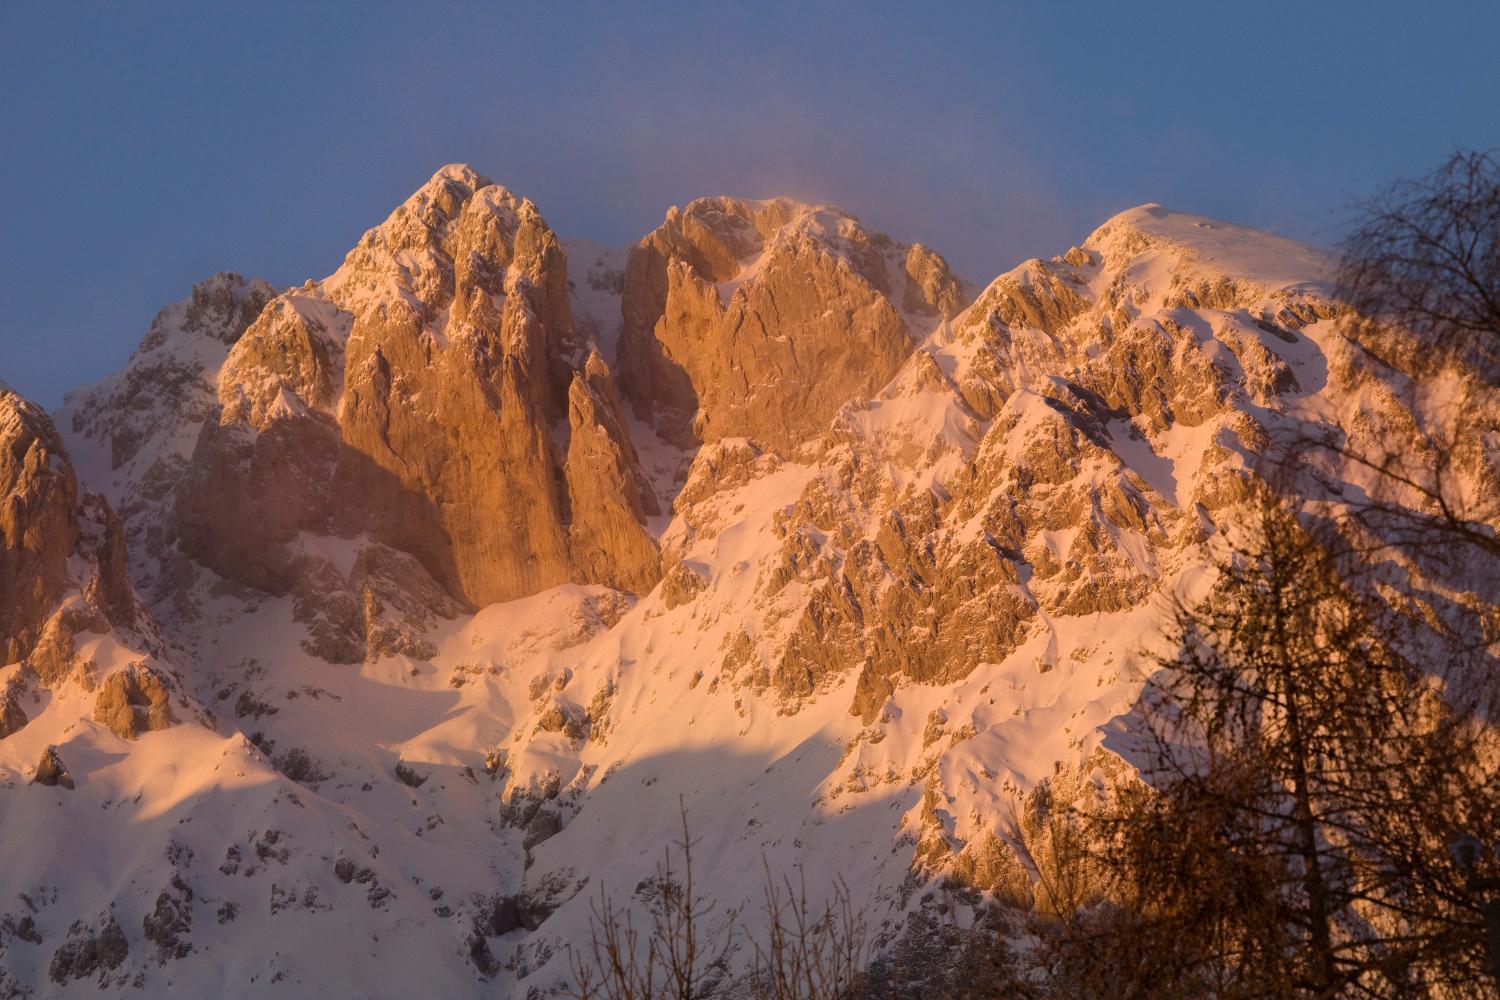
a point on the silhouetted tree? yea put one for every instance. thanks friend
(680, 953)
(1424, 257)
(1307, 768)
(1421, 271)
(692, 947)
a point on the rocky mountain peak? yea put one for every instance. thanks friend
(220, 307)
(432, 206)
(411, 398)
(167, 384)
(815, 541)
(760, 318)
(1195, 253)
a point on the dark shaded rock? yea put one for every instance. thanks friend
(299, 767)
(539, 901)
(346, 871)
(481, 956)
(547, 823)
(88, 950)
(51, 771)
(495, 761)
(407, 776)
(12, 716)
(168, 925)
(24, 930)
(501, 915)
(493, 916)
(268, 847)
(249, 705)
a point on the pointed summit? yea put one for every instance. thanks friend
(410, 398)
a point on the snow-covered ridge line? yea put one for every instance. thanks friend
(795, 531)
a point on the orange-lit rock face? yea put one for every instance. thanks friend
(412, 397)
(62, 556)
(898, 628)
(444, 424)
(37, 528)
(761, 319)
(434, 395)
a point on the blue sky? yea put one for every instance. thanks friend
(148, 145)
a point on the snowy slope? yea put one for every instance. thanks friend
(861, 659)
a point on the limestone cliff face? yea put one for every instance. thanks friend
(38, 531)
(608, 496)
(416, 397)
(900, 629)
(760, 319)
(1010, 476)
(62, 563)
(434, 397)
(449, 395)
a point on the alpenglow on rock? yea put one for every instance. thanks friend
(413, 398)
(62, 554)
(760, 319)
(37, 528)
(441, 585)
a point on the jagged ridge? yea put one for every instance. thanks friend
(857, 573)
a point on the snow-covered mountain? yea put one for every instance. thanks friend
(382, 622)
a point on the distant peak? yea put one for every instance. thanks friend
(724, 202)
(1208, 243)
(231, 283)
(461, 173)
(1157, 220)
(749, 225)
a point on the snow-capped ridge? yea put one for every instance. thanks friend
(1213, 246)
(450, 629)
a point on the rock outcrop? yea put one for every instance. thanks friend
(62, 551)
(38, 529)
(761, 319)
(169, 925)
(412, 397)
(51, 771)
(609, 498)
(134, 701)
(89, 949)
(875, 610)
(12, 716)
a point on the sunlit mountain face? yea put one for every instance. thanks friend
(361, 636)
